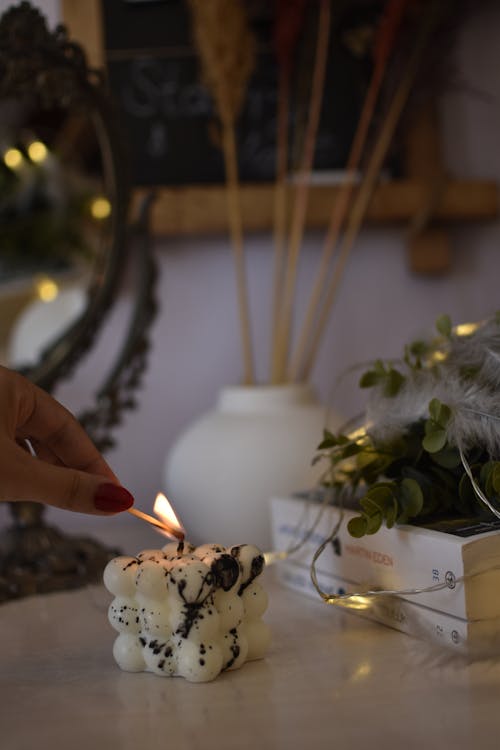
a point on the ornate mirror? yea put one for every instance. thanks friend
(64, 192)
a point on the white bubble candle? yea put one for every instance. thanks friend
(186, 611)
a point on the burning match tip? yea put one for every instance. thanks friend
(170, 530)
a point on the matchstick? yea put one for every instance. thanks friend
(166, 527)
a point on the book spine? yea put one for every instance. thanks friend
(395, 559)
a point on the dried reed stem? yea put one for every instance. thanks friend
(236, 231)
(280, 353)
(280, 195)
(289, 18)
(429, 21)
(387, 32)
(226, 47)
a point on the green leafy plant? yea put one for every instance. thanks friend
(417, 476)
(385, 375)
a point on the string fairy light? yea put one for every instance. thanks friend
(46, 289)
(13, 158)
(100, 208)
(359, 600)
(37, 152)
(363, 597)
(356, 597)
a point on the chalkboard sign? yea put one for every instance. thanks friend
(168, 114)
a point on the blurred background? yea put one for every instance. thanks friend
(382, 303)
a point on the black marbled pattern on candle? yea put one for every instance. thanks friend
(187, 613)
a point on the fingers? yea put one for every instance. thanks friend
(40, 451)
(25, 477)
(54, 430)
(68, 472)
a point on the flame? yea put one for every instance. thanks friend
(166, 513)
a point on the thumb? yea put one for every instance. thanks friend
(25, 477)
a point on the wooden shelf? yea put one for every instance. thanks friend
(427, 200)
(195, 210)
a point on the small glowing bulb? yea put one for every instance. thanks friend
(438, 356)
(358, 434)
(362, 671)
(354, 601)
(13, 158)
(358, 602)
(273, 556)
(466, 329)
(47, 289)
(100, 208)
(37, 151)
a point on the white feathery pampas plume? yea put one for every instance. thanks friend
(462, 371)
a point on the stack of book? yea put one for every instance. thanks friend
(462, 553)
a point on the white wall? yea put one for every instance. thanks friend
(195, 347)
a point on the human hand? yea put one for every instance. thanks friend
(68, 470)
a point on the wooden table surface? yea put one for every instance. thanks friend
(330, 680)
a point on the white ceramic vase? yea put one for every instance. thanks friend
(258, 442)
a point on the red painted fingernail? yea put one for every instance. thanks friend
(112, 498)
